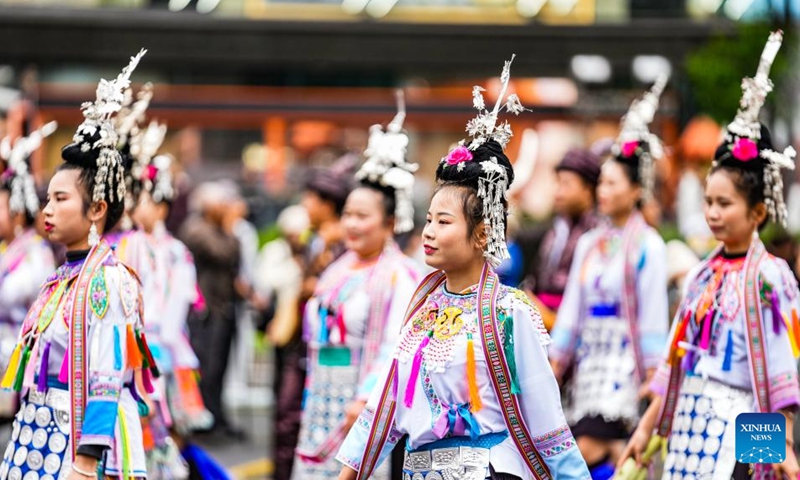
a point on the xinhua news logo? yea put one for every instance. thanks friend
(760, 438)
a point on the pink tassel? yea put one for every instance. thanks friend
(705, 339)
(147, 382)
(412, 379)
(63, 374)
(340, 324)
(777, 316)
(30, 371)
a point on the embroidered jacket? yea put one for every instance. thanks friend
(443, 385)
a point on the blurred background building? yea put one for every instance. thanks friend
(262, 89)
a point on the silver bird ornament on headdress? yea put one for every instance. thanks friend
(23, 195)
(494, 182)
(636, 142)
(110, 96)
(744, 133)
(386, 165)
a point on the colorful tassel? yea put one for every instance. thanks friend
(475, 403)
(408, 400)
(63, 373)
(13, 366)
(41, 385)
(508, 350)
(145, 361)
(705, 338)
(796, 330)
(134, 357)
(24, 358)
(30, 370)
(117, 350)
(726, 362)
(341, 326)
(147, 382)
(680, 336)
(777, 317)
(323, 326)
(150, 359)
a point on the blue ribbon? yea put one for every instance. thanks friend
(472, 427)
(604, 310)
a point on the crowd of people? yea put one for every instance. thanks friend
(116, 345)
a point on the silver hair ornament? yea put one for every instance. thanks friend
(635, 127)
(23, 195)
(110, 97)
(386, 165)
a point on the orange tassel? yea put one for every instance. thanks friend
(134, 356)
(13, 366)
(475, 403)
(796, 327)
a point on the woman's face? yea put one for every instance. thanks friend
(6, 219)
(447, 243)
(145, 214)
(64, 219)
(728, 215)
(616, 194)
(366, 229)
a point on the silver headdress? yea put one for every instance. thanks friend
(160, 179)
(98, 121)
(744, 133)
(133, 113)
(153, 170)
(23, 188)
(386, 165)
(635, 144)
(494, 182)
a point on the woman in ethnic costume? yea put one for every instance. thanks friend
(734, 342)
(25, 258)
(613, 321)
(177, 398)
(80, 344)
(469, 383)
(355, 314)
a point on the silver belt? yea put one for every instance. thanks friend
(697, 385)
(54, 398)
(462, 463)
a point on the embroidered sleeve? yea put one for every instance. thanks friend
(352, 450)
(652, 301)
(540, 403)
(112, 349)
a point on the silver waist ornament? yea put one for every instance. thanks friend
(456, 463)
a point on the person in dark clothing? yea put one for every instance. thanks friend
(209, 237)
(574, 206)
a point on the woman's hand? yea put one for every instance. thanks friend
(347, 473)
(84, 464)
(635, 448)
(352, 412)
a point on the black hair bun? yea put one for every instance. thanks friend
(74, 152)
(471, 170)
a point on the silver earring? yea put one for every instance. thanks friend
(94, 237)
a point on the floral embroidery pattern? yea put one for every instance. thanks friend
(98, 294)
(554, 442)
